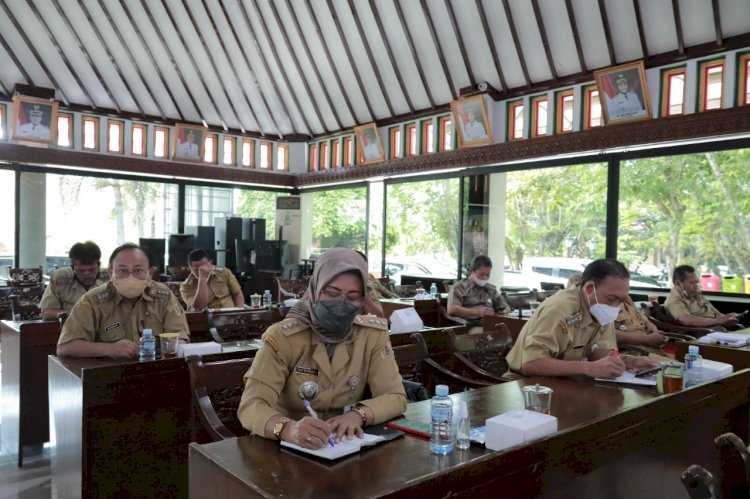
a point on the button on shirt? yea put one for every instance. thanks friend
(64, 290)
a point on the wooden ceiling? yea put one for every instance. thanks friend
(294, 69)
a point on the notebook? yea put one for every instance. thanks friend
(725, 339)
(629, 378)
(341, 449)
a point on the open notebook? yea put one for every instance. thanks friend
(344, 448)
(629, 378)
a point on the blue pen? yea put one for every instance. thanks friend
(314, 414)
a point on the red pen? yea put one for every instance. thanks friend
(615, 352)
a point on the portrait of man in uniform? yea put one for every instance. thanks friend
(188, 143)
(369, 142)
(471, 121)
(623, 93)
(34, 119)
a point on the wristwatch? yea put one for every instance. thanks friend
(358, 409)
(279, 427)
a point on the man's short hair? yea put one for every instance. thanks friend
(480, 261)
(598, 270)
(680, 273)
(197, 254)
(125, 247)
(87, 253)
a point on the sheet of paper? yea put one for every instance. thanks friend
(341, 449)
(629, 378)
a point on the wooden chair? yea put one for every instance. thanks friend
(25, 277)
(25, 302)
(179, 273)
(243, 325)
(407, 290)
(734, 469)
(520, 301)
(658, 315)
(217, 389)
(6, 304)
(291, 288)
(482, 355)
(416, 365)
(698, 482)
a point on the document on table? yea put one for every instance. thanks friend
(628, 378)
(341, 449)
(726, 339)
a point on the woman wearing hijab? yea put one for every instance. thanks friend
(324, 341)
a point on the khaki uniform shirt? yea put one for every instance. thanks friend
(292, 355)
(64, 290)
(632, 320)
(466, 293)
(222, 285)
(102, 314)
(563, 328)
(678, 305)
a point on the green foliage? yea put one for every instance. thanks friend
(339, 218)
(259, 204)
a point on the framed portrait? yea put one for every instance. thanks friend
(623, 93)
(34, 119)
(187, 144)
(369, 143)
(470, 118)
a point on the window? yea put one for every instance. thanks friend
(411, 139)
(312, 158)
(91, 133)
(394, 142)
(673, 91)
(743, 89)
(428, 137)
(115, 136)
(161, 139)
(564, 111)
(323, 156)
(282, 157)
(335, 153)
(711, 85)
(446, 133)
(203, 204)
(265, 155)
(64, 130)
(348, 153)
(228, 153)
(209, 145)
(539, 116)
(592, 108)
(248, 153)
(2, 121)
(339, 219)
(515, 120)
(138, 139)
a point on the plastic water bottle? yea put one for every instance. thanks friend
(441, 421)
(433, 290)
(463, 426)
(267, 298)
(693, 367)
(148, 345)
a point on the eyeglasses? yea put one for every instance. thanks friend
(351, 298)
(137, 273)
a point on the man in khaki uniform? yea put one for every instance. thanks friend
(572, 332)
(67, 285)
(208, 286)
(632, 328)
(474, 297)
(687, 305)
(108, 320)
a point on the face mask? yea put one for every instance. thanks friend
(604, 314)
(130, 287)
(335, 316)
(480, 282)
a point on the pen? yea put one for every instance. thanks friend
(314, 414)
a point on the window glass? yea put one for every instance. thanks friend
(2, 121)
(247, 153)
(411, 140)
(745, 86)
(395, 142)
(64, 130)
(312, 157)
(139, 142)
(114, 136)
(540, 116)
(228, 156)
(593, 113)
(7, 228)
(90, 133)
(258, 204)
(565, 112)
(265, 155)
(339, 219)
(688, 209)
(676, 93)
(282, 161)
(324, 155)
(160, 142)
(515, 110)
(714, 86)
(336, 153)
(209, 153)
(446, 134)
(203, 204)
(348, 151)
(429, 137)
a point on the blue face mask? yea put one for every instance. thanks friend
(335, 316)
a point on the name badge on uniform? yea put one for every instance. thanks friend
(306, 370)
(111, 327)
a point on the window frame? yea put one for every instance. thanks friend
(394, 142)
(666, 90)
(534, 102)
(144, 139)
(703, 68)
(588, 98)
(70, 118)
(347, 151)
(120, 124)
(285, 166)
(336, 153)
(427, 128)
(3, 124)
(560, 97)
(443, 122)
(269, 146)
(251, 155)
(312, 157)
(95, 121)
(165, 152)
(232, 146)
(211, 137)
(743, 71)
(511, 119)
(411, 146)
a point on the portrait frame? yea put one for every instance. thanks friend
(369, 131)
(617, 106)
(471, 135)
(24, 107)
(180, 139)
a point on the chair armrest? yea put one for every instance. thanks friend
(453, 380)
(211, 422)
(679, 336)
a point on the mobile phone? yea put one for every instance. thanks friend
(411, 426)
(742, 314)
(648, 370)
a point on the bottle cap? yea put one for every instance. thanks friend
(148, 332)
(693, 349)
(441, 390)
(267, 291)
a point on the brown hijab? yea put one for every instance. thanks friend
(332, 263)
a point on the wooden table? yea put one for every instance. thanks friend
(612, 442)
(25, 411)
(737, 357)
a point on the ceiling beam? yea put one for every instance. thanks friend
(607, 33)
(576, 37)
(461, 45)
(545, 41)
(678, 26)
(413, 50)
(715, 7)
(17, 62)
(641, 31)
(491, 43)
(516, 42)
(438, 47)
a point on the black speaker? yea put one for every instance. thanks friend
(205, 239)
(179, 247)
(155, 248)
(228, 230)
(254, 228)
(244, 251)
(271, 255)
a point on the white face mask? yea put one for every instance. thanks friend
(604, 314)
(480, 282)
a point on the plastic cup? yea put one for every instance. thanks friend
(672, 378)
(537, 398)
(169, 342)
(255, 301)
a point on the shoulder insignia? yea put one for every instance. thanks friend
(103, 296)
(563, 327)
(371, 321)
(219, 269)
(292, 326)
(160, 293)
(271, 342)
(574, 319)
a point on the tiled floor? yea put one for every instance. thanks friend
(30, 482)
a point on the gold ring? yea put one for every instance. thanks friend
(309, 438)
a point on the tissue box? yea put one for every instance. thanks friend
(406, 320)
(516, 427)
(205, 348)
(712, 370)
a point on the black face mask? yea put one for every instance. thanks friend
(335, 316)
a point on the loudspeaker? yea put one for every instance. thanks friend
(228, 230)
(155, 249)
(244, 256)
(179, 247)
(205, 238)
(271, 255)
(254, 228)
